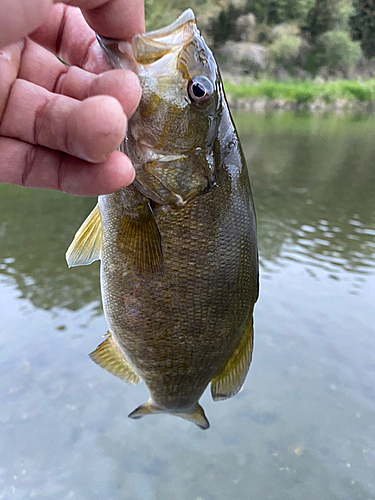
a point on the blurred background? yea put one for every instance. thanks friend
(282, 38)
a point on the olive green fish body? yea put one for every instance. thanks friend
(179, 327)
(179, 264)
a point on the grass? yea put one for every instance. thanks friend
(304, 91)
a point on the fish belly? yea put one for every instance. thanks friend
(179, 328)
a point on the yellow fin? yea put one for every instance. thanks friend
(142, 410)
(87, 243)
(229, 381)
(197, 416)
(139, 240)
(108, 356)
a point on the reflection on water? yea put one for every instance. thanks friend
(302, 427)
(36, 228)
(314, 184)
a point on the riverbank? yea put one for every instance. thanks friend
(334, 96)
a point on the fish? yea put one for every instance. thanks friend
(178, 249)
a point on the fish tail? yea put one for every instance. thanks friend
(197, 415)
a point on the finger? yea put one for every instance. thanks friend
(113, 18)
(18, 18)
(122, 84)
(66, 34)
(117, 18)
(90, 129)
(41, 67)
(37, 167)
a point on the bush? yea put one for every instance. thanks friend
(337, 51)
(224, 26)
(285, 50)
(328, 15)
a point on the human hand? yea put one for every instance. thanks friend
(60, 126)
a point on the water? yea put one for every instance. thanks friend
(304, 425)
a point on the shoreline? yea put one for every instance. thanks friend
(265, 105)
(338, 96)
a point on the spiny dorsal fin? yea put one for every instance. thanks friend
(197, 416)
(139, 240)
(87, 243)
(230, 379)
(108, 356)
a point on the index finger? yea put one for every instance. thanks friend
(66, 33)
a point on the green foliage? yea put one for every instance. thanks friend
(285, 49)
(281, 11)
(300, 34)
(306, 91)
(223, 27)
(337, 51)
(159, 13)
(362, 24)
(327, 15)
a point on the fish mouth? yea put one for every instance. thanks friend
(151, 46)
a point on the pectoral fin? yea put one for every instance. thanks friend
(229, 381)
(108, 356)
(87, 243)
(140, 241)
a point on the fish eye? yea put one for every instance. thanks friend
(200, 89)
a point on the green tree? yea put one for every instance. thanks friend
(223, 27)
(362, 24)
(328, 15)
(337, 51)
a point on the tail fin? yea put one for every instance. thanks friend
(197, 416)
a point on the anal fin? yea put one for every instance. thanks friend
(108, 356)
(229, 381)
(87, 243)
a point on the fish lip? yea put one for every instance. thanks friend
(153, 45)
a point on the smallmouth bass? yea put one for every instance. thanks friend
(179, 262)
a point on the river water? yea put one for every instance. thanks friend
(302, 428)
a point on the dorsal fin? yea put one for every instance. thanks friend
(229, 381)
(87, 243)
(108, 356)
